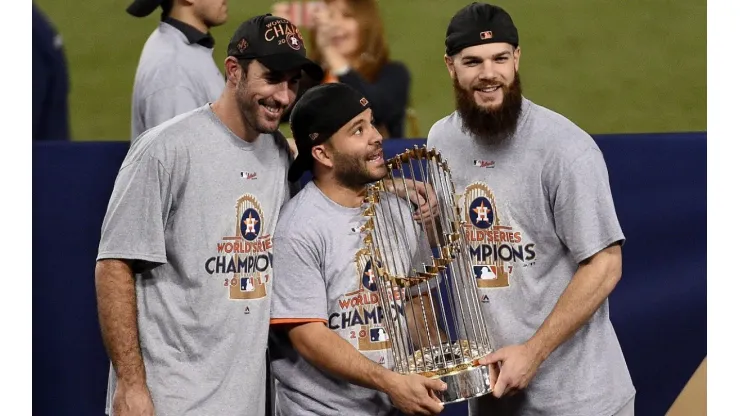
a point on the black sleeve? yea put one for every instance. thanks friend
(388, 94)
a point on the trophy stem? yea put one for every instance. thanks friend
(426, 231)
(446, 223)
(417, 235)
(390, 321)
(467, 261)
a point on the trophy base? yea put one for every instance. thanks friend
(465, 385)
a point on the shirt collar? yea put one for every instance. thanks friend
(192, 34)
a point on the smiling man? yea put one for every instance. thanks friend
(184, 270)
(544, 236)
(331, 355)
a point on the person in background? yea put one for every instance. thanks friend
(176, 71)
(50, 81)
(347, 39)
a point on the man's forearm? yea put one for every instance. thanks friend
(326, 350)
(590, 286)
(116, 296)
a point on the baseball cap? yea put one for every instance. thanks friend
(317, 115)
(275, 42)
(477, 24)
(143, 8)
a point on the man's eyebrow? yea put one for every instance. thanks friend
(478, 58)
(355, 124)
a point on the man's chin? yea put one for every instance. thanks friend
(379, 174)
(489, 106)
(267, 127)
(374, 175)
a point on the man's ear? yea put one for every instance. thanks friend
(322, 155)
(233, 70)
(517, 54)
(450, 64)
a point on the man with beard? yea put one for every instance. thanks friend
(543, 233)
(184, 267)
(329, 349)
(176, 71)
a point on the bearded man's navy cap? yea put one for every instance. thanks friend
(478, 24)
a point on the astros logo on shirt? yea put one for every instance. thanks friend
(494, 248)
(244, 258)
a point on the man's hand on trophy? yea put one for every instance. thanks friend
(512, 368)
(493, 371)
(423, 196)
(419, 193)
(412, 394)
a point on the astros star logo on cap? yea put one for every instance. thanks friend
(293, 41)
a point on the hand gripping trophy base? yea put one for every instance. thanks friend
(464, 381)
(465, 385)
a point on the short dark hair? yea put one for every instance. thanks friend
(244, 63)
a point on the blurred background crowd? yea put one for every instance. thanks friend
(612, 67)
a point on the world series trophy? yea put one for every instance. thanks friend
(443, 334)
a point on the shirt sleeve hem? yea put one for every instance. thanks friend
(283, 321)
(152, 258)
(585, 254)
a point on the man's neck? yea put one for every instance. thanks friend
(185, 15)
(228, 112)
(341, 194)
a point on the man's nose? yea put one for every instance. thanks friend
(377, 138)
(282, 96)
(488, 72)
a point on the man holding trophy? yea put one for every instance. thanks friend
(542, 231)
(330, 346)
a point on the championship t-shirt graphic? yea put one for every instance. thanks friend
(245, 258)
(495, 247)
(358, 315)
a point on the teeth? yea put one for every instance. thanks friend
(272, 109)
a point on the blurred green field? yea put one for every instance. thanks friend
(610, 66)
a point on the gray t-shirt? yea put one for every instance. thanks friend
(535, 207)
(196, 207)
(173, 77)
(323, 273)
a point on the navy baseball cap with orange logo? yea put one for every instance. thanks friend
(318, 114)
(275, 42)
(477, 24)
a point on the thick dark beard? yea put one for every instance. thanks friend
(490, 126)
(351, 171)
